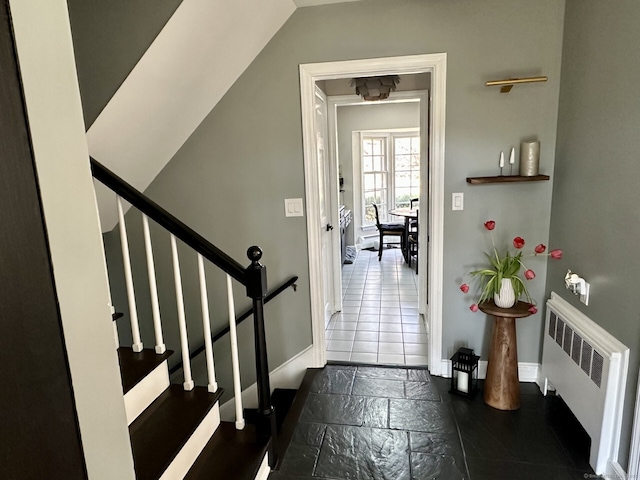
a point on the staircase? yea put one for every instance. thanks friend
(175, 429)
(178, 434)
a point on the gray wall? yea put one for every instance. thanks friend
(230, 178)
(355, 118)
(596, 197)
(109, 38)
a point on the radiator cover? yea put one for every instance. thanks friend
(587, 366)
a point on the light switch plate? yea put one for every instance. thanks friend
(457, 201)
(293, 207)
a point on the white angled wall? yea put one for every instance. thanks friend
(202, 50)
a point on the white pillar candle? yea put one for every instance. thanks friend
(512, 156)
(529, 158)
(501, 159)
(463, 382)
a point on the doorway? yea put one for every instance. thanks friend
(378, 147)
(435, 64)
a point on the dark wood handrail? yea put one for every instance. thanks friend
(223, 331)
(169, 222)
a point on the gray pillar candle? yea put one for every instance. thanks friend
(529, 158)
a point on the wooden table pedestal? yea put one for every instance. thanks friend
(501, 386)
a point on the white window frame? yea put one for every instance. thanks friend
(389, 159)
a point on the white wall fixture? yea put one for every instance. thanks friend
(457, 201)
(578, 286)
(293, 207)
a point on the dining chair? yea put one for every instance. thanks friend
(412, 243)
(413, 223)
(388, 230)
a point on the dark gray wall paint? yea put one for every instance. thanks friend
(595, 214)
(229, 179)
(109, 38)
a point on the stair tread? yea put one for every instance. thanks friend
(233, 454)
(159, 433)
(134, 366)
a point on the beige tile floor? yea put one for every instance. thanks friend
(379, 322)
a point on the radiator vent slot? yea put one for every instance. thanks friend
(568, 336)
(585, 364)
(577, 346)
(559, 331)
(596, 368)
(552, 325)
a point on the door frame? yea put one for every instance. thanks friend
(435, 64)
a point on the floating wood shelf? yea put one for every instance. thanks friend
(506, 179)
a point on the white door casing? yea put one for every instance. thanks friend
(435, 64)
(325, 204)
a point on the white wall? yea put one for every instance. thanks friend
(45, 55)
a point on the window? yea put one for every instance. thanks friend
(406, 170)
(390, 172)
(374, 177)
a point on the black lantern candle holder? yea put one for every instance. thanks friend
(464, 373)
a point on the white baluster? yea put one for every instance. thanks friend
(131, 296)
(235, 363)
(153, 288)
(182, 322)
(206, 327)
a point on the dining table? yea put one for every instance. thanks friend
(408, 214)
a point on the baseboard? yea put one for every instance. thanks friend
(615, 471)
(527, 372)
(287, 375)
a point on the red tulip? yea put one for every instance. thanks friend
(464, 288)
(557, 254)
(474, 308)
(540, 248)
(489, 224)
(518, 242)
(533, 309)
(529, 274)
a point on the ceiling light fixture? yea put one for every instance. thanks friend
(375, 88)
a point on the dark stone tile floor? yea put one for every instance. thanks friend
(363, 422)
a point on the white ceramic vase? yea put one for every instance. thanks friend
(507, 297)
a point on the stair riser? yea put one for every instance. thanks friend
(189, 453)
(144, 393)
(264, 471)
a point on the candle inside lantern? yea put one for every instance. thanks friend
(501, 159)
(512, 156)
(463, 382)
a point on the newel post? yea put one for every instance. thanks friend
(257, 291)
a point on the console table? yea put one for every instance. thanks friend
(501, 386)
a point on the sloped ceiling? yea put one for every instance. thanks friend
(199, 54)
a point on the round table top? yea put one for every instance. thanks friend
(519, 310)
